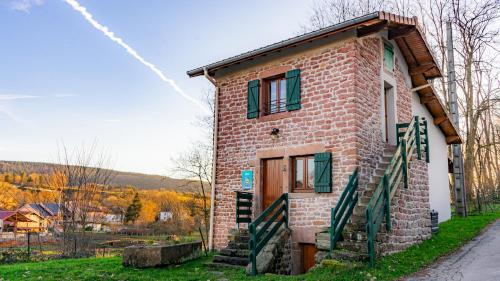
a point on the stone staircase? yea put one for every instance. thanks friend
(236, 253)
(353, 245)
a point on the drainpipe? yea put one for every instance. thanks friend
(214, 158)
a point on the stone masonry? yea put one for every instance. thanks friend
(340, 88)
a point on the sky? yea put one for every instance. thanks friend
(64, 81)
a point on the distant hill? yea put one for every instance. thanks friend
(138, 180)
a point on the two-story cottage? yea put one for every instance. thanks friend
(336, 130)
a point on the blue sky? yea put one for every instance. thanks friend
(62, 80)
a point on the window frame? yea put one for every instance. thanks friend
(389, 47)
(266, 95)
(305, 174)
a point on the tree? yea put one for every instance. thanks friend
(134, 209)
(80, 178)
(476, 47)
(196, 163)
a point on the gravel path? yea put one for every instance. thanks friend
(477, 260)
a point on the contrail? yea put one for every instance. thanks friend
(83, 11)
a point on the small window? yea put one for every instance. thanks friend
(303, 174)
(274, 95)
(388, 57)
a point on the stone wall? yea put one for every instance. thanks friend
(324, 123)
(410, 207)
(341, 104)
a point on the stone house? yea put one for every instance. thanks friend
(300, 116)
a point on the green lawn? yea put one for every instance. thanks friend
(452, 235)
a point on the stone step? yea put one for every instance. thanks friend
(240, 239)
(354, 235)
(230, 260)
(354, 246)
(375, 179)
(363, 201)
(390, 149)
(346, 255)
(235, 252)
(217, 265)
(238, 231)
(323, 241)
(238, 245)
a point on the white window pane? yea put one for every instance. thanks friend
(299, 173)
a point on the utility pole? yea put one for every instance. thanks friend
(458, 163)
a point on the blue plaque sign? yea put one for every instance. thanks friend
(247, 179)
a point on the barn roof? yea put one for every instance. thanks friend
(404, 31)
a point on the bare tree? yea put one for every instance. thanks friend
(85, 176)
(476, 23)
(196, 163)
(476, 35)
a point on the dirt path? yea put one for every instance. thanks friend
(477, 260)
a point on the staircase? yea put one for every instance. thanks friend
(374, 206)
(236, 253)
(352, 245)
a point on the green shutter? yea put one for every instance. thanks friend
(323, 172)
(293, 89)
(388, 56)
(253, 99)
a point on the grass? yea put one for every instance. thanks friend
(453, 234)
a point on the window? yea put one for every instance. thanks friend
(303, 174)
(388, 57)
(274, 95)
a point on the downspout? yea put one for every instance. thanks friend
(214, 158)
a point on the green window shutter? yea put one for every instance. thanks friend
(293, 89)
(253, 99)
(323, 172)
(388, 57)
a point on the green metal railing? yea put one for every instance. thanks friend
(409, 139)
(272, 219)
(243, 207)
(343, 210)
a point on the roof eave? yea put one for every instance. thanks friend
(283, 44)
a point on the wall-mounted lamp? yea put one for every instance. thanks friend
(275, 133)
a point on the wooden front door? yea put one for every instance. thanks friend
(308, 252)
(272, 187)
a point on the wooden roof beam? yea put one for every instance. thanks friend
(370, 29)
(427, 99)
(400, 32)
(439, 120)
(453, 139)
(421, 69)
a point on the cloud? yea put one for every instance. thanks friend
(16, 97)
(112, 120)
(88, 17)
(24, 5)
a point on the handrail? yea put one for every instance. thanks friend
(378, 207)
(243, 207)
(277, 214)
(343, 210)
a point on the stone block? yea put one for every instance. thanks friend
(156, 256)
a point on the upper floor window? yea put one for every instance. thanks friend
(388, 57)
(303, 174)
(274, 95)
